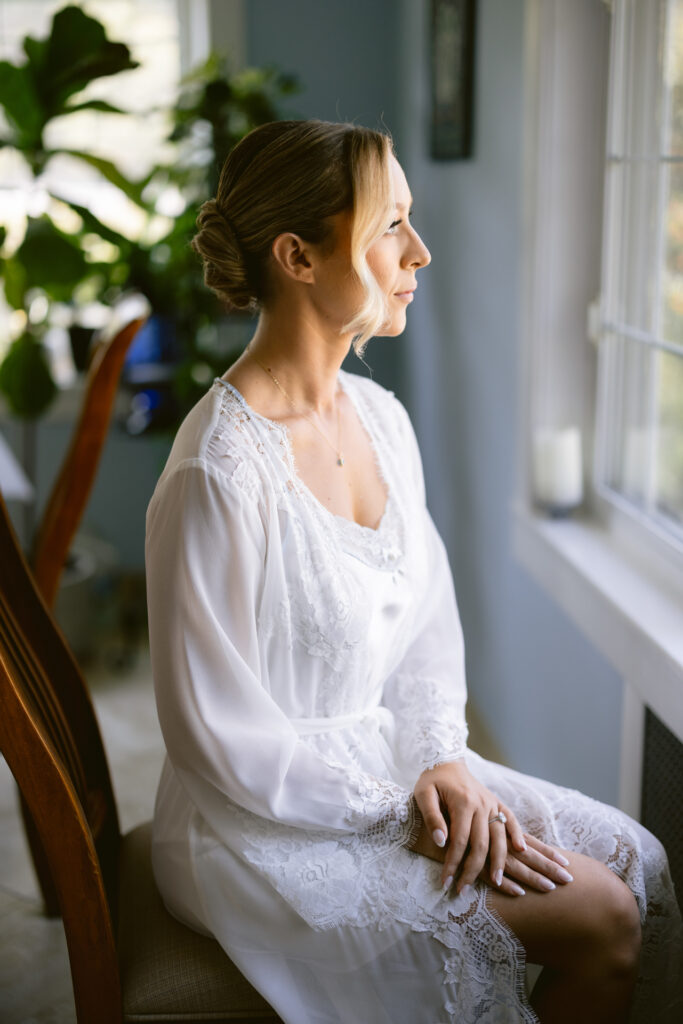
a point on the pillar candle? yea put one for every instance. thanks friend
(557, 469)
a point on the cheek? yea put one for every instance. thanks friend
(382, 268)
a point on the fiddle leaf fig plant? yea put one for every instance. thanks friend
(48, 84)
(214, 110)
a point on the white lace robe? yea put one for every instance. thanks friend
(307, 669)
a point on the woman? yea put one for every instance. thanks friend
(319, 812)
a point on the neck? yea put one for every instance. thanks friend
(305, 358)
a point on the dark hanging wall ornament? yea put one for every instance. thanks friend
(452, 73)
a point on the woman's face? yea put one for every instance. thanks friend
(395, 258)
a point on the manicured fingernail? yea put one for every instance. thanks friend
(465, 890)
(564, 876)
(449, 882)
(546, 884)
(560, 859)
(517, 889)
(439, 837)
(498, 876)
(524, 846)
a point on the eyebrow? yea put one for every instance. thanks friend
(405, 206)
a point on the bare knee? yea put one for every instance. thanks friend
(615, 930)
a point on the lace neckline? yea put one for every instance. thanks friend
(346, 525)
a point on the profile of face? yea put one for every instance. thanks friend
(393, 259)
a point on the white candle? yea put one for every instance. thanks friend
(557, 468)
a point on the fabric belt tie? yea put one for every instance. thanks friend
(309, 726)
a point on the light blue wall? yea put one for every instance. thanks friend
(549, 699)
(345, 53)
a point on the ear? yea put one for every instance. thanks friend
(294, 257)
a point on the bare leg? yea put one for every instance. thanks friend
(586, 935)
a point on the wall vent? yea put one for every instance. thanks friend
(662, 795)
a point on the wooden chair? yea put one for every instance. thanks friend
(130, 960)
(71, 489)
(67, 502)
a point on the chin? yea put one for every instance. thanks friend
(393, 329)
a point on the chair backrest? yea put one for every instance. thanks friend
(51, 740)
(67, 501)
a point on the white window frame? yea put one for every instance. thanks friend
(645, 534)
(615, 580)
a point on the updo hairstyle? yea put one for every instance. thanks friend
(292, 176)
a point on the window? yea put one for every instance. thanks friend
(639, 442)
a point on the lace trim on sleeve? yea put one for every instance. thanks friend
(429, 732)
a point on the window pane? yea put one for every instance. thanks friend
(632, 293)
(674, 80)
(640, 443)
(669, 494)
(644, 451)
(672, 283)
(630, 405)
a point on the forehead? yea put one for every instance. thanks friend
(399, 184)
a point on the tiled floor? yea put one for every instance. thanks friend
(35, 984)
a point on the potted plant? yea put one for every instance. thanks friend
(214, 110)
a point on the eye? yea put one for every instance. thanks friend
(391, 230)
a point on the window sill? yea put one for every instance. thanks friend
(633, 618)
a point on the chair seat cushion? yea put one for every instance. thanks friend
(168, 971)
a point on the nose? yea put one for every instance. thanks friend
(417, 253)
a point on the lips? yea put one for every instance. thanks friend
(406, 296)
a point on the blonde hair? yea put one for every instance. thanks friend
(293, 176)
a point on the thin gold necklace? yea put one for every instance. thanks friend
(337, 450)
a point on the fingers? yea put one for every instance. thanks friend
(549, 851)
(430, 809)
(479, 843)
(535, 870)
(498, 852)
(514, 829)
(508, 886)
(460, 838)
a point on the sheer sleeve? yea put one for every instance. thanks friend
(427, 691)
(206, 557)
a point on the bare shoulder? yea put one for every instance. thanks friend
(256, 390)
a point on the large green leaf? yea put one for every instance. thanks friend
(25, 378)
(21, 104)
(14, 283)
(78, 51)
(52, 260)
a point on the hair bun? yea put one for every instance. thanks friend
(225, 266)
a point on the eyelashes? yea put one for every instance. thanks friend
(391, 230)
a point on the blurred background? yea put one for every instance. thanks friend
(499, 114)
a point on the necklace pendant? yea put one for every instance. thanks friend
(340, 460)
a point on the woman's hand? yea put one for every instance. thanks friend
(467, 841)
(456, 809)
